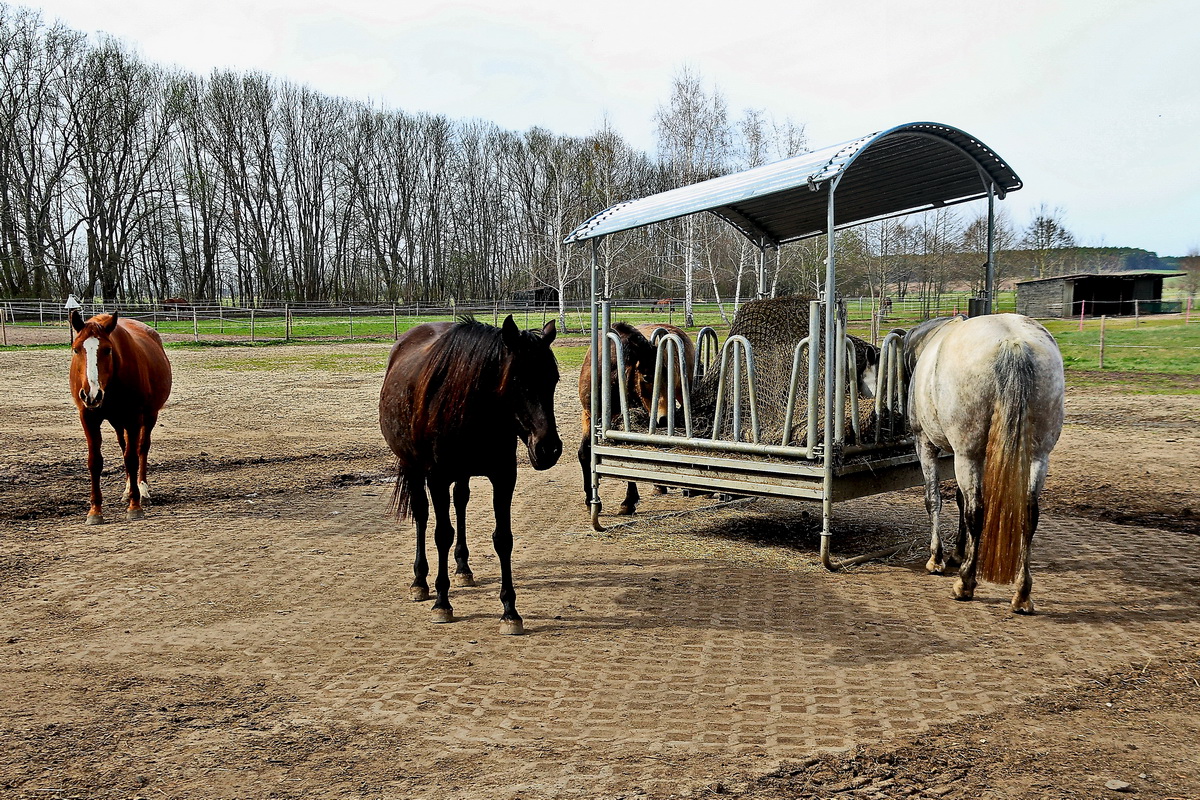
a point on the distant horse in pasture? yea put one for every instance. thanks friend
(664, 305)
(455, 399)
(639, 356)
(119, 373)
(989, 390)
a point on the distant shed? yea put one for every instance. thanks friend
(1094, 293)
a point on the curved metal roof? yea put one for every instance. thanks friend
(909, 168)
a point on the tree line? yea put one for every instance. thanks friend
(136, 181)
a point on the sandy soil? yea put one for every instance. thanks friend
(252, 637)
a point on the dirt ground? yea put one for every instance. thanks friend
(252, 637)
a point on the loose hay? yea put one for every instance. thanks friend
(778, 534)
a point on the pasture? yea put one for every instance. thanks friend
(253, 637)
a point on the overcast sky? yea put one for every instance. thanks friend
(1094, 103)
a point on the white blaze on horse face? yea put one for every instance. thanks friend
(867, 380)
(91, 349)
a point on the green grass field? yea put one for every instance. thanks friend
(1161, 345)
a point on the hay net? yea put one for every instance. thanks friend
(773, 327)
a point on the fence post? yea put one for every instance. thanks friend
(1082, 306)
(221, 316)
(350, 313)
(1137, 317)
(1103, 318)
(252, 326)
(3, 327)
(287, 323)
(395, 324)
(195, 325)
(41, 315)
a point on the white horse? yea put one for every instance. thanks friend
(989, 390)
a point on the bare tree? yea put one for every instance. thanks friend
(1046, 239)
(36, 153)
(693, 143)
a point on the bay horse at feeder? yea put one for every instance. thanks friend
(990, 390)
(639, 356)
(455, 399)
(119, 373)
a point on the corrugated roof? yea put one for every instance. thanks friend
(905, 169)
(1146, 273)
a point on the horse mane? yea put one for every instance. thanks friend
(635, 341)
(469, 360)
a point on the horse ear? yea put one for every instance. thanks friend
(510, 333)
(76, 320)
(111, 325)
(549, 331)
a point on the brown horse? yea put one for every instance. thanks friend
(119, 373)
(640, 357)
(455, 398)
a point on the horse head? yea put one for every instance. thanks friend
(867, 367)
(529, 387)
(640, 356)
(92, 362)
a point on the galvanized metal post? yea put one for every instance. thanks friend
(762, 270)
(597, 339)
(989, 300)
(831, 346)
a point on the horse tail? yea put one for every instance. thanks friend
(1006, 464)
(401, 504)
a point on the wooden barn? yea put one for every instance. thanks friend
(1092, 294)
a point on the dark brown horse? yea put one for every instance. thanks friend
(455, 398)
(639, 355)
(119, 373)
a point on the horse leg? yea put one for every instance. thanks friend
(927, 454)
(418, 503)
(132, 448)
(462, 571)
(443, 537)
(122, 444)
(1021, 602)
(144, 457)
(502, 540)
(585, 464)
(960, 544)
(629, 504)
(970, 483)
(95, 461)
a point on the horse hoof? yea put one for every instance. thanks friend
(1022, 607)
(512, 627)
(464, 579)
(626, 511)
(963, 593)
(418, 594)
(95, 519)
(134, 514)
(935, 567)
(443, 615)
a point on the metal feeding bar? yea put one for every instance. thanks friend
(733, 347)
(671, 346)
(707, 349)
(890, 400)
